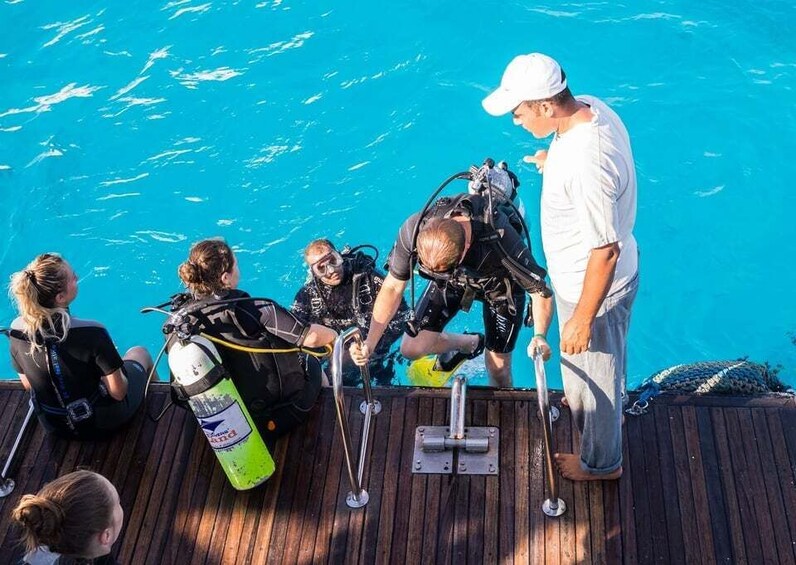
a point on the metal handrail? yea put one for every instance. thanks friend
(358, 496)
(7, 484)
(458, 397)
(553, 506)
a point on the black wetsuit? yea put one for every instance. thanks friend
(279, 389)
(66, 378)
(481, 275)
(350, 304)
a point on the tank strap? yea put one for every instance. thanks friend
(211, 379)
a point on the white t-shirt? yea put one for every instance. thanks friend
(589, 200)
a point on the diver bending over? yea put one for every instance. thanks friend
(279, 389)
(467, 256)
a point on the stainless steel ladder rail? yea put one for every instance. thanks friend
(6, 483)
(553, 506)
(358, 496)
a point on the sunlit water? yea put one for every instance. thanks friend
(128, 131)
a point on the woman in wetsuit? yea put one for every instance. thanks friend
(279, 389)
(80, 387)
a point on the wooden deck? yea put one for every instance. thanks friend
(707, 480)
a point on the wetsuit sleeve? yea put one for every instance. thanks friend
(106, 356)
(401, 254)
(531, 277)
(301, 305)
(283, 324)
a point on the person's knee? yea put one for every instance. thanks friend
(141, 355)
(411, 348)
(499, 368)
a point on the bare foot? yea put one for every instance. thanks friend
(569, 466)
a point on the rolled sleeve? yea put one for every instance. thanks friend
(596, 207)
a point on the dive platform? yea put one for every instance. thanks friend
(706, 480)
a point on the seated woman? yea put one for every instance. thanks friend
(80, 387)
(74, 519)
(279, 389)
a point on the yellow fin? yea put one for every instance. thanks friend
(420, 372)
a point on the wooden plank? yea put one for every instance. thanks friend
(221, 525)
(304, 466)
(492, 493)
(700, 498)
(238, 548)
(142, 475)
(664, 420)
(716, 508)
(435, 485)
(762, 506)
(356, 518)
(786, 473)
(331, 490)
(258, 552)
(439, 538)
(461, 505)
(522, 458)
(687, 510)
(209, 515)
(314, 505)
(506, 489)
(160, 501)
(342, 515)
(613, 523)
(174, 525)
(28, 480)
(475, 518)
(199, 495)
(731, 501)
(743, 487)
(654, 489)
(181, 473)
(560, 534)
(538, 484)
(637, 518)
(393, 545)
(392, 475)
(376, 463)
(9, 400)
(239, 518)
(774, 494)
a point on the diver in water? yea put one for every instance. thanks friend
(339, 294)
(80, 387)
(278, 388)
(469, 250)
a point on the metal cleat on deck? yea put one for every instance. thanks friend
(455, 449)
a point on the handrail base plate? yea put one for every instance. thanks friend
(442, 462)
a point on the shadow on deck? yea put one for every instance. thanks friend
(706, 480)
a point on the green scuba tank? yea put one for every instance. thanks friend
(217, 405)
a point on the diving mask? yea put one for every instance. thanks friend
(327, 265)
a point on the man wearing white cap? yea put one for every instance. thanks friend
(588, 210)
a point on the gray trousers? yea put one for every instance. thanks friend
(594, 380)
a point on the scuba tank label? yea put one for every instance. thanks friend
(225, 428)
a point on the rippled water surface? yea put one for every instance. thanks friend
(130, 130)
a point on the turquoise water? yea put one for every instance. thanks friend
(128, 131)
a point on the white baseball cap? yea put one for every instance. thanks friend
(528, 77)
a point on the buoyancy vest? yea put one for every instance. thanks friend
(75, 411)
(358, 266)
(265, 381)
(491, 281)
